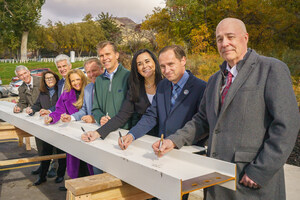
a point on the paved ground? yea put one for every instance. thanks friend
(17, 183)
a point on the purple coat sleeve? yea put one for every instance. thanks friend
(64, 105)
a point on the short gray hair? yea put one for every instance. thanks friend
(62, 57)
(19, 68)
(92, 60)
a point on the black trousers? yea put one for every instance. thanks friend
(83, 169)
(47, 149)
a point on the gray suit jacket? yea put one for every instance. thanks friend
(26, 97)
(256, 127)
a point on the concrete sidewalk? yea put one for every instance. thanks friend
(292, 178)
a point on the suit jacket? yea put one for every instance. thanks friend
(128, 109)
(60, 86)
(87, 105)
(44, 101)
(27, 97)
(256, 127)
(186, 105)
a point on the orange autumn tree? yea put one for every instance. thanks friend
(200, 40)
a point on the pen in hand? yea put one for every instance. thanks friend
(106, 115)
(85, 133)
(120, 135)
(160, 143)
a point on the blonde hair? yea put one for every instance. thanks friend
(68, 86)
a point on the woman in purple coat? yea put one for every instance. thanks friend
(69, 102)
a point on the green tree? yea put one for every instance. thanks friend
(58, 39)
(111, 30)
(37, 40)
(18, 18)
(62, 38)
(85, 36)
(159, 23)
(92, 33)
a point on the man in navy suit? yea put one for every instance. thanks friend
(177, 97)
(93, 69)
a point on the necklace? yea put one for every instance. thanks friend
(149, 86)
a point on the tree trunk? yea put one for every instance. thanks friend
(80, 52)
(24, 46)
(38, 54)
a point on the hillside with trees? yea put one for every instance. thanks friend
(273, 27)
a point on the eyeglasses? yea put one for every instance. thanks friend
(50, 78)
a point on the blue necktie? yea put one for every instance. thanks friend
(174, 94)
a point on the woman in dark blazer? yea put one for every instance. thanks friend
(46, 101)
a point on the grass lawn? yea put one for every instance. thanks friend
(7, 70)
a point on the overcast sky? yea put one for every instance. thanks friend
(74, 10)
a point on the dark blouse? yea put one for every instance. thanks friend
(45, 101)
(129, 109)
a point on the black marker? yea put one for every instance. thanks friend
(84, 132)
(121, 139)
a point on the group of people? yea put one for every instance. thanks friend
(247, 113)
(56, 99)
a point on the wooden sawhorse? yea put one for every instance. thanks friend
(102, 186)
(8, 131)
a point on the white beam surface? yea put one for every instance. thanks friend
(137, 165)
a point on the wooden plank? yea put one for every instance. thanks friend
(126, 192)
(8, 131)
(22, 133)
(83, 197)
(29, 160)
(27, 143)
(102, 186)
(6, 126)
(8, 134)
(91, 184)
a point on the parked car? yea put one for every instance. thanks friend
(39, 71)
(3, 92)
(33, 72)
(82, 69)
(15, 78)
(14, 86)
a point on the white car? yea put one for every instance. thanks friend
(82, 69)
(14, 86)
(3, 92)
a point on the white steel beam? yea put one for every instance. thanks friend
(169, 177)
